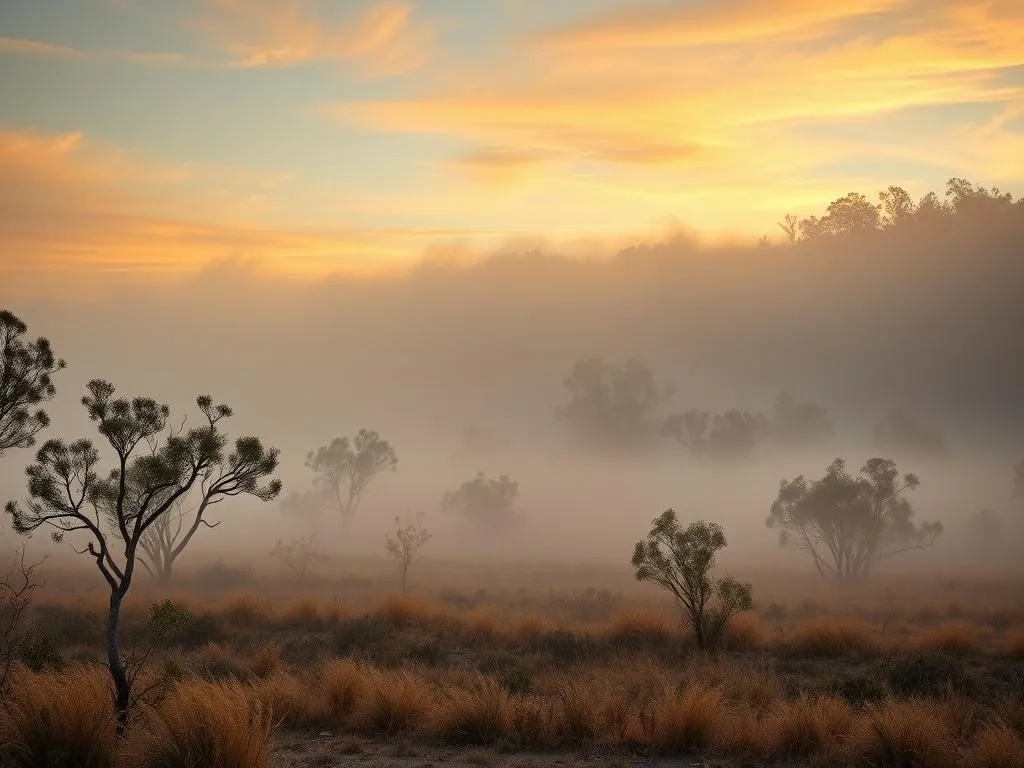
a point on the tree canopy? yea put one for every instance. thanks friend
(347, 467)
(847, 523)
(26, 371)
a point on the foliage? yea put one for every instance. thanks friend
(680, 560)
(154, 468)
(733, 434)
(488, 500)
(295, 556)
(799, 424)
(26, 370)
(16, 588)
(847, 524)
(346, 468)
(901, 431)
(403, 544)
(612, 406)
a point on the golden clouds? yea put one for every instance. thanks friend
(34, 47)
(383, 40)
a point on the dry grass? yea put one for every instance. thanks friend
(686, 722)
(998, 745)
(405, 610)
(264, 660)
(344, 684)
(245, 609)
(392, 702)
(745, 633)
(955, 637)
(293, 701)
(67, 717)
(635, 627)
(807, 727)
(1013, 644)
(477, 714)
(832, 637)
(906, 733)
(220, 725)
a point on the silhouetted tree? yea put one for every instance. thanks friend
(488, 500)
(26, 370)
(796, 423)
(852, 213)
(347, 468)
(847, 524)
(733, 434)
(16, 588)
(295, 556)
(680, 560)
(613, 406)
(900, 431)
(790, 226)
(405, 542)
(153, 470)
(897, 206)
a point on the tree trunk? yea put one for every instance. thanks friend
(405, 571)
(122, 686)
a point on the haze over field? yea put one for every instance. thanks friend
(416, 218)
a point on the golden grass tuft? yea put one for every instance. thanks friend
(576, 715)
(745, 632)
(953, 637)
(245, 609)
(831, 637)
(71, 715)
(634, 627)
(477, 714)
(687, 722)
(345, 682)
(264, 660)
(293, 701)
(998, 745)
(900, 733)
(220, 725)
(392, 702)
(806, 727)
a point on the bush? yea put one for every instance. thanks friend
(831, 638)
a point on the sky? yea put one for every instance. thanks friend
(146, 139)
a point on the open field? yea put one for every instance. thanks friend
(520, 664)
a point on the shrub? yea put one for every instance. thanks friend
(639, 628)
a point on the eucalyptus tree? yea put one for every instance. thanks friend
(846, 524)
(154, 467)
(26, 370)
(347, 467)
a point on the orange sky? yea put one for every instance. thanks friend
(145, 140)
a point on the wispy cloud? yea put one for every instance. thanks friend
(384, 39)
(35, 48)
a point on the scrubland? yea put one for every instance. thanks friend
(500, 661)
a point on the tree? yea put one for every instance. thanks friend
(848, 524)
(488, 500)
(681, 560)
(790, 226)
(795, 423)
(153, 469)
(295, 556)
(612, 406)
(16, 588)
(26, 370)
(897, 206)
(346, 468)
(405, 542)
(852, 213)
(733, 434)
(901, 431)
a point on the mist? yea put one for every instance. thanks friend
(460, 367)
